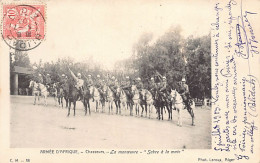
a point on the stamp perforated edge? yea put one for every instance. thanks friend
(25, 3)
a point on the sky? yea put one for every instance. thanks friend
(107, 30)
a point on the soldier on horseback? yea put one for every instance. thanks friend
(89, 84)
(163, 88)
(152, 86)
(39, 80)
(63, 80)
(139, 86)
(127, 87)
(48, 81)
(99, 85)
(184, 92)
(111, 84)
(79, 84)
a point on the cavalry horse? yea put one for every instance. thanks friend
(109, 98)
(58, 94)
(122, 99)
(177, 103)
(160, 103)
(96, 96)
(148, 101)
(72, 96)
(86, 99)
(54, 93)
(65, 87)
(38, 89)
(136, 99)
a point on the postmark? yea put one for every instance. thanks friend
(23, 26)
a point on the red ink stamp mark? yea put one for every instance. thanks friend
(23, 25)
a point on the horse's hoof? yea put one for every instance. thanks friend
(193, 124)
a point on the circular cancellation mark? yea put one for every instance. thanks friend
(23, 26)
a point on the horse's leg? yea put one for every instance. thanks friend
(190, 110)
(158, 112)
(142, 110)
(96, 107)
(69, 102)
(85, 105)
(145, 109)
(61, 100)
(111, 108)
(136, 108)
(149, 110)
(88, 106)
(119, 107)
(45, 100)
(38, 99)
(34, 99)
(162, 112)
(180, 117)
(74, 104)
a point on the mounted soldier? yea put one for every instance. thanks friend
(152, 86)
(48, 81)
(163, 87)
(89, 81)
(139, 86)
(39, 80)
(63, 80)
(79, 83)
(99, 85)
(111, 84)
(184, 92)
(89, 84)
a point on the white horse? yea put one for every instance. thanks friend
(110, 98)
(96, 96)
(148, 97)
(122, 99)
(39, 89)
(136, 98)
(177, 102)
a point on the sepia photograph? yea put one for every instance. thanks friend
(121, 77)
(129, 81)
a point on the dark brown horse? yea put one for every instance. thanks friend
(160, 102)
(86, 99)
(60, 94)
(73, 96)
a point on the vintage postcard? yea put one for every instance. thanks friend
(129, 81)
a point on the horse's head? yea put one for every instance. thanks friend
(175, 96)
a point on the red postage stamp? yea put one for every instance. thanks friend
(24, 22)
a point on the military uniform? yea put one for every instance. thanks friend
(90, 82)
(40, 79)
(152, 87)
(48, 82)
(163, 89)
(184, 91)
(127, 88)
(99, 85)
(140, 86)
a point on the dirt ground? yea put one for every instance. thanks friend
(39, 126)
